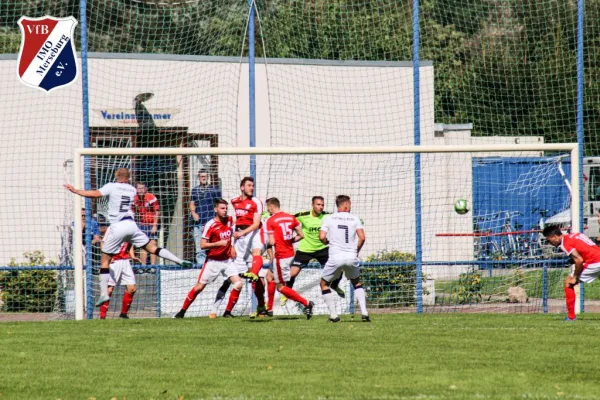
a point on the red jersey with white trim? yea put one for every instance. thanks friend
(282, 225)
(146, 207)
(123, 253)
(245, 210)
(587, 249)
(215, 231)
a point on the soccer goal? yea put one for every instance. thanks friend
(421, 254)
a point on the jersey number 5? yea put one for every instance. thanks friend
(287, 230)
(346, 229)
(125, 204)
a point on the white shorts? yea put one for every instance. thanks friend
(213, 268)
(245, 244)
(120, 232)
(333, 269)
(281, 268)
(589, 274)
(121, 273)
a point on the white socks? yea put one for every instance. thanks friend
(166, 254)
(104, 277)
(359, 293)
(330, 301)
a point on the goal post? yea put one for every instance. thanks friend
(392, 175)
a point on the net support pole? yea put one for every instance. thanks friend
(252, 103)
(580, 131)
(86, 143)
(545, 288)
(417, 157)
(77, 239)
(576, 211)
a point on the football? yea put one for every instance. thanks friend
(461, 206)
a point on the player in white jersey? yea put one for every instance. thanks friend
(122, 227)
(345, 235)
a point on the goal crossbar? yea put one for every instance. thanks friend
(572, 148)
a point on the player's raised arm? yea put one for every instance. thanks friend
(91, 194)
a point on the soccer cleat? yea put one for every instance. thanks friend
(567, 319)
(269, 313)
(212, 316)
(261, 311)
(282, 300)
(227, 314)
(336, 319)
(180, 314)
(102, 300)
(103, 317)
(365, 318)
(249, 276)
(187, 264)
(339, 291)
(309, 310)
(123, 316)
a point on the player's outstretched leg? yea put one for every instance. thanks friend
(271, 287)
(127, 300)
(104, 307)
(152, 248)
(295, 296)
(570, 300)
(233, 299)
(329, 301)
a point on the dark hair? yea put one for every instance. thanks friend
(246, 179)
(219, 200)
(552, 230)
(202, 171)
(341, 199)
(274, 201)
(318, 198)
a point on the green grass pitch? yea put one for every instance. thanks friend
(409, 356)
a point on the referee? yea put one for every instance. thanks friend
(311, 247)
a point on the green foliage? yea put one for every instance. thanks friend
(390, 286)
(467, 289)
(30, 290)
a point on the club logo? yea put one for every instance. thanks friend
(47, 54)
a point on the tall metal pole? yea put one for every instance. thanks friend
(417, 139)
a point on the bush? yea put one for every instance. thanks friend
(30, 290)
(468, 290)
(394, 285)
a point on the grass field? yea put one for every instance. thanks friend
(439, 356)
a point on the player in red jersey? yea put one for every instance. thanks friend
(585, 255)
(249, 241)
(121, 273)
(216, 240)
(281, 228)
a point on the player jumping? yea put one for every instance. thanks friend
(216, 240)
(122, 227)
(586, 257)
(281, 227)
(345, 235)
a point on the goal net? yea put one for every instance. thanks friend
(446, 270)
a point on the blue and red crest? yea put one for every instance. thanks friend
(47, 55)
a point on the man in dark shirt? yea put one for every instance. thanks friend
(201, 208)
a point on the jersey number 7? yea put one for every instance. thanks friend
(346, 229)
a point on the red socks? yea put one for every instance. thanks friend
(233, 298)
(127, 299)
(259, 286)
(104, 309)
(293, 295)
(570, 297)
(257, 263)
(271, 286)
(189, 299)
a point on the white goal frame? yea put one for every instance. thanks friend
(573, 148)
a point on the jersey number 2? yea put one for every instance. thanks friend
(345, 228)
(125, 202)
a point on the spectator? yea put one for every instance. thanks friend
(201, 207)
(147, 211)
(94, 228)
